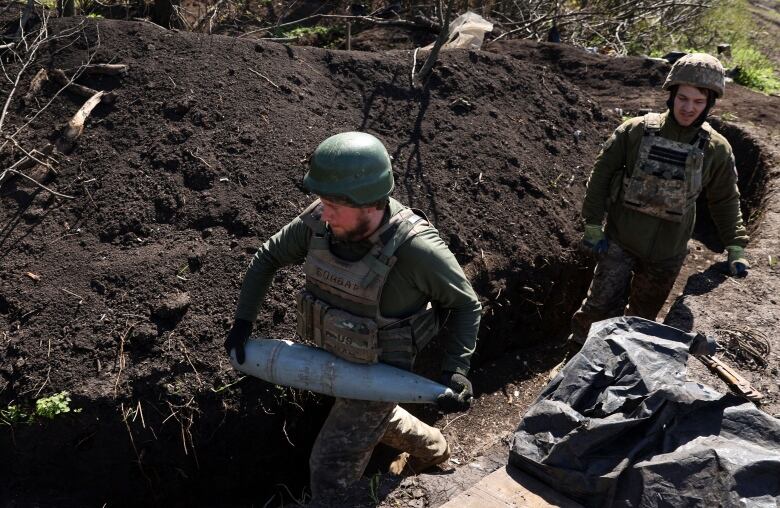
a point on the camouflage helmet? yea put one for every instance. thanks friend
(700, 70)
(352, 165)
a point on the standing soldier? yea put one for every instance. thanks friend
(379, 268)
(646, 181)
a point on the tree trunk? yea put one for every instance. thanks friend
(163, 13)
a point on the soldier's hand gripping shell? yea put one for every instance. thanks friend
(237, 337)
(738, 265)
(595, 239)
(462, 392)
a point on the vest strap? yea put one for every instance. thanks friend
(652, 123)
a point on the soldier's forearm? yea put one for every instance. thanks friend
(723, 204)
(286, 247)
(253, 290)
(465, 325)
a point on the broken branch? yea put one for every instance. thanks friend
(107, 69)
(35, 85)
(84, 91)
(440, 40)
(76, 124)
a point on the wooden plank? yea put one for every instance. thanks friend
(509, 486)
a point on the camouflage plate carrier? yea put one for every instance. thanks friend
(667, 177)
(338, 309)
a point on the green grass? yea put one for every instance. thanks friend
(754, 70)
(729, 22)
(373, 488)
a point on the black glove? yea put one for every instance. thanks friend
(460, 400)
(237, 337)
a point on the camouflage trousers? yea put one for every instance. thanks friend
(620, 278)
(350, 433)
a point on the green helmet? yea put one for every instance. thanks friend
(699, 70)
(351, 165)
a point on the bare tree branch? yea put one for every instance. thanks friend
(440, 40)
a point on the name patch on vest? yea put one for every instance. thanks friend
(336, 279)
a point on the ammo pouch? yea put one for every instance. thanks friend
(346, 335)
(401, 341)
(359, 339)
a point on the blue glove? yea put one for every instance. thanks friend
(595, 239)
(738, 265)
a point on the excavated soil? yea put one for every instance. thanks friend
(123, 295)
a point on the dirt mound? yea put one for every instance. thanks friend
(633, 84)
(133, 283)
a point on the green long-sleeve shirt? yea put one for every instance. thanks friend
(425, 270)
(652, 238)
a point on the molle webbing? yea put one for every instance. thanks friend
(667, 176)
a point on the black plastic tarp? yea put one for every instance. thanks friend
(620, 425)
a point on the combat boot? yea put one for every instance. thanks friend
(408, 465)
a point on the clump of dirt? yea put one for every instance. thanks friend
(176, 184)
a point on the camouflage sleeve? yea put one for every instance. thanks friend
(436, 273)
(287, 247)
(610, 161)
(723, 198)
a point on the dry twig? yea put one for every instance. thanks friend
(264, 77)
(19, 173)
(132, 442)
(121, 356)
(38, 42)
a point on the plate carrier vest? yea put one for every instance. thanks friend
(338, 309)
(667, 177)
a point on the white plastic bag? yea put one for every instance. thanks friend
(467, 31)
